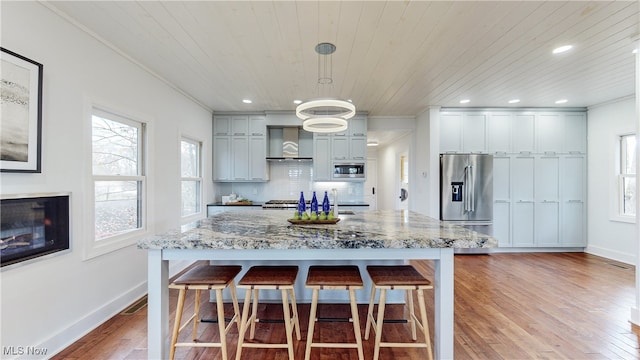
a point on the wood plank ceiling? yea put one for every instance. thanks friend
(393, 57)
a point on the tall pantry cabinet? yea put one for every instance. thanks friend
(539, 171)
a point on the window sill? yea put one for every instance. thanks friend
(623, 219)
(102, 247)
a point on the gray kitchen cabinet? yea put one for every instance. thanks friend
(239, 125)
(258, 170)
(575, 133)
(550, 133)
(240, 148)
(358, 126)
(340, 148)
(450, 133)
(257, 126)
(358, 148)
(322, 157)
(240, 155)
(522, 177)
(502, 200)
(222, 126)
(524, 140)
(573, 201)
(474, 133)
(499, 133)
(547, 192)
(222, 158)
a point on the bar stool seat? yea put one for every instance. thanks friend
(258, 278)
(205, 277)
(334, 278)
(398, 277)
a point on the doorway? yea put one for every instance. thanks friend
(402, 202)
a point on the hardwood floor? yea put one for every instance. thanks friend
(507, 306)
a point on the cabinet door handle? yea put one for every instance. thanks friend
(503, 201)
(574, 201)
(549, 201)
(239, 134)
(525, 201)
(256, 134)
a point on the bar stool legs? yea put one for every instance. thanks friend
(334, 278)
(205, 277)
(269, 278)
(403, 277)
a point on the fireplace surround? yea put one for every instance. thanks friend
(32, 226)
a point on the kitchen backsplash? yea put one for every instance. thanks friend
(287, 179)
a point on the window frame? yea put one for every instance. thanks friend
(199, 179)
(96, 247)
(617, 184)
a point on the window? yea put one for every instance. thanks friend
(190, 165)
(627, 176)
(118, 164)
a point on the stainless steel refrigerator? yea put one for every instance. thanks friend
(466, 190)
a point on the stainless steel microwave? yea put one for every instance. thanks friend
(348, 170)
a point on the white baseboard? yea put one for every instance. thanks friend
(612, 254)
(62, 339)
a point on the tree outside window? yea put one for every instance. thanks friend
(191, 177)
(628, 175)
(118, 174)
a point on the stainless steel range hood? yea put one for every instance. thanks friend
(290, 146)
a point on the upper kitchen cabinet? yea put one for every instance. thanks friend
(240, 148)
(499, 133)
(524, 133)
(463, 133)
(450, 133)
(513, 132)
(222, 126)
(561, 132)
(358, 126)
(349, 146)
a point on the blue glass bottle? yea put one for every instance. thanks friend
(326, 207)
(314, 204)
(302, 206)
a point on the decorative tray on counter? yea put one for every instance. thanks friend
(313, 222)
(242, 202)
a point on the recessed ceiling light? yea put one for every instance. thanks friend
(562, 49)
(562, 101)
(372, 143)
(635, 51)
(464, 101)
(514, 101)
(297, 102)
(247, 101)
(349, 100)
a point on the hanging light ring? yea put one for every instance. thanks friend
(325, 124)
(333, 107)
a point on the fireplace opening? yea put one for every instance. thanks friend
(31, 227)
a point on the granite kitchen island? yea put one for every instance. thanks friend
(259, 235)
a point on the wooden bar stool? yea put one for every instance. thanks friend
(398, 277)
(258, 278)
(205, 277)
(334, 278)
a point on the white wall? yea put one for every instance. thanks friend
(608, 238)
(427, 163)
(52, 301)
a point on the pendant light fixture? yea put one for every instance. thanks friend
(325, 115)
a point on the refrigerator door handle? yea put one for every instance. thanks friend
(472, 190)
(468, 190)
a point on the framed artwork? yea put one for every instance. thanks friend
(21, 104)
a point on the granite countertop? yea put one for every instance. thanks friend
(259, 229)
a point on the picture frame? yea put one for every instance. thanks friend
(21, 126)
